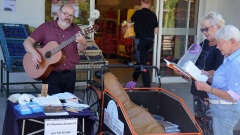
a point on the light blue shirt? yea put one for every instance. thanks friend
(227, 76)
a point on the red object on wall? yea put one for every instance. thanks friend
(110, 14)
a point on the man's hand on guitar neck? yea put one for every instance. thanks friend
(82, 43)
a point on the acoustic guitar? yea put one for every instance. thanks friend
(51, 55)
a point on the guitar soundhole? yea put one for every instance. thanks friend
(48, 54)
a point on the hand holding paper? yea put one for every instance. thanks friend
(206, 73)
(190, 70)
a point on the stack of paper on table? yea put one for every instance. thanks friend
(189, 70)
(76, 105)
(47, 101)
(67, 97)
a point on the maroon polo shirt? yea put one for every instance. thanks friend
(50, 31)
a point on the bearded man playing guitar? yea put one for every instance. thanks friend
(62, 76)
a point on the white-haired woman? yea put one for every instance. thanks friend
(224, 93)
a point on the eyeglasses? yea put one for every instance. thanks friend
(67, 15)
(205, 29)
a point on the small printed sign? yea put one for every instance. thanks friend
(9, 5)
(60, 126)
(111, 118)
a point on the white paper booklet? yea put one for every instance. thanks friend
(195, 72)
(190, 70)
(65, 95)
(48, 101)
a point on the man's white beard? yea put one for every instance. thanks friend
(64, 24)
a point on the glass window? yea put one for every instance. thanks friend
(178, 28)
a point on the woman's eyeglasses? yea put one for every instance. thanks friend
(205, 29)
(67, 15)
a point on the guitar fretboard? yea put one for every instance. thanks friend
(64, 44)
(86, 31)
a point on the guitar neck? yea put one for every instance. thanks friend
(65, 43)
(86, 31)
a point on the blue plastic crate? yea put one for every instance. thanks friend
(8, 30)
(15, 48)
(11, 39)
(13, 52)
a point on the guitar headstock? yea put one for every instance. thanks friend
(91, 29)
